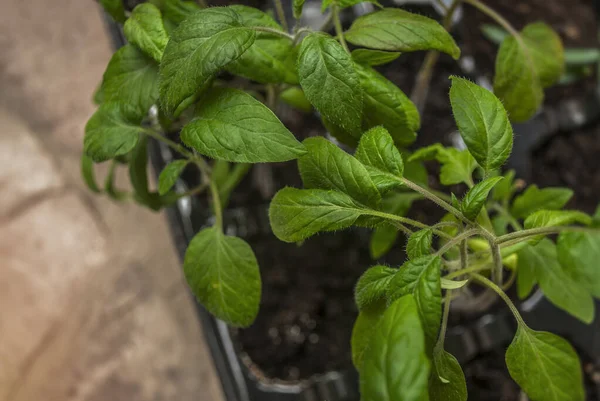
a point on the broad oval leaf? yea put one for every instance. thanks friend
(231, 125)
(534, 199)
(457, 165)
(223, 274)
(325, 166)
(475, 199)
(541, 264)
(579, 254)
(271, 58)
(330, 82)
(296, 214)
(447, 381)
(394, 29)
(545, 366)
(421, 278)
(525, 66)
(372, 57)
(170, 174)
(131, 77)
(145, 29)
(482, 122)
(377, 151)
(419, 243)
(365, 324)
(385, 104)
(395, 367)
(201, 46)
(372, 286)
(113, 130)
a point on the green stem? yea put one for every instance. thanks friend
(281, 15)
(444, 325)
(497, 259)
(423, 80)
(457, 240)
(199, 161)
(467, 270)
(496, 17)
(335, 11)
(299, 33)
(236, 175)
(463, 255)
(502, 295)
(217, 208)
(273, 31)
(194, 191)
(406, 220)
(542, 231)
(402, 228)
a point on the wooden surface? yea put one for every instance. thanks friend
(92, 300)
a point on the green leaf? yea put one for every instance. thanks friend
(578, 254)
(344, 3)
(372, 286)
(394, 29)
(475, 199)
(526, 273)
(294, 97)
(370, 57)
(109, 184)
(201, 46)
(382, 240)
(169, 175)
(297, 6)
(113, 130)
(524, 67)
(297, 214)
(132, 78)
(377, 150)
(457, 165)
(482, 122)
(115, 9)
(419, 243)
(365, 324)
(330, 82)
(385, 104)
(421, 278)
(98, 97)
(145, 29)
(175, 11)
(534, 199)
(325, 166)
(541, 262)
(395, 367)
(504, 189)
(271, 58)
(453, 284)
(545, 366)
(447, 381)
(223, 274)
(87, 172)
(552, 218)
(231, 125)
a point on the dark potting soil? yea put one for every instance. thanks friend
(574, 20)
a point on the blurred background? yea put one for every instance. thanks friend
(92, 300)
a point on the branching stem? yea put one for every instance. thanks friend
(457, 240)
(502, 294)
(273, 31)
(532, 232)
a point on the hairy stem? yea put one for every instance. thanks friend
(445, 314)
(194, 191)
(402, 228)
(463, 255)
(497, 259)
(238, 172)
(532, 232)
(281, 15)
(406, 220)
(467, 270)
(495, 16)
(217, 208)
(335, 11)
(502, 295)
(423, 80)
(457, 240)
(273, 31)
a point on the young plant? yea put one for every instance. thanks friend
(173, 68)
